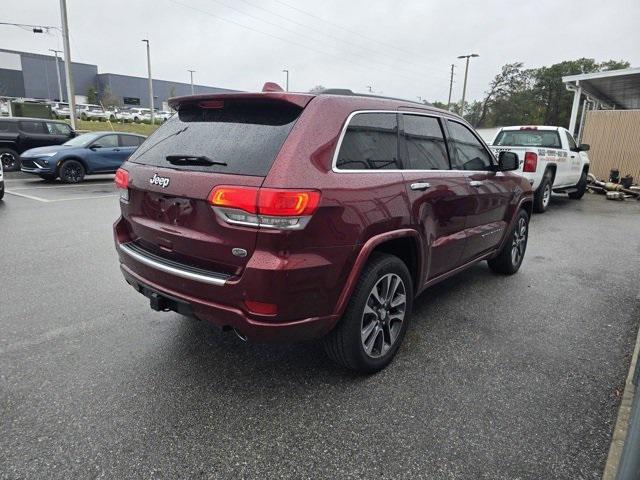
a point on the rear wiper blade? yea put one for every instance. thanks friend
(193, 160)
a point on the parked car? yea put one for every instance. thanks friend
(87, 154)
(20, 134)
(91, 112)
(140, 114)
(163, 115)
(549, 158)
(1, 182)
(61, 110)
(118, 114)
(287, 216)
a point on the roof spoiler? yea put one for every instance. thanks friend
(270, 91)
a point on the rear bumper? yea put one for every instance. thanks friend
(225, 316)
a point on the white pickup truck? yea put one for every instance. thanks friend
(549, 159)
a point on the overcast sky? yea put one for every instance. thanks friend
(400, 48)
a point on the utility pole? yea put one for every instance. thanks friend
(370, 89)
(450, 87)
(466, 72)
(56, 52)
(192, 90)
(287, 84)
(150, 81)
(67, 63)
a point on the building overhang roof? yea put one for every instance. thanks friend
(617, 88)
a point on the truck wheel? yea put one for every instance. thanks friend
(581, 186)
(510, 257)
(71, 171)
(10, 160)
(374, 323)
(542, 196)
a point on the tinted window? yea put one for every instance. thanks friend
(245, 135)
(468, 152)
(572, 142)
(424, 144)
(58, 128)
(370, 142)
(32, 127)
(108, 141)
(130, 141)
(528, 138)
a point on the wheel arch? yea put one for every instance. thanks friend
(71, 157)
(403, 243)
(553, 168)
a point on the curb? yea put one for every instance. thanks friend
(622, 423)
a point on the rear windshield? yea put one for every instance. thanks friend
(528, 138)
(239, 137)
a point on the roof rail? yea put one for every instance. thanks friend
(346, 91)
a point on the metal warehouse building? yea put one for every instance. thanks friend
(32, 75)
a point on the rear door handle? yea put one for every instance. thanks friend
(420, 186)
(476, 183)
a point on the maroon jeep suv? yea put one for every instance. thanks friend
(289, 216)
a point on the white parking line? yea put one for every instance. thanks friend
(46, 200)
(64, 186)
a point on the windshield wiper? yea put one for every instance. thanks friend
(192, 160)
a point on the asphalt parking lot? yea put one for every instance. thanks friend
(499, 377)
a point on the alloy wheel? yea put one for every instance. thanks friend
(73, 173)
(519, 242)
(383, 315)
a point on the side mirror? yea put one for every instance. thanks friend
(508, 161)
(583, 147)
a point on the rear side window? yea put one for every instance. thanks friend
(58, 128)
(241, 137)
(130, 141)
(424, 144)
(469, 153)
(370, 143)
(33, 127)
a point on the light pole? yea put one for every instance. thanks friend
(287, 81)
(67, 63)
(56, 52)
(150, 80)
(192, 90)
(464, 86)
(450, 87)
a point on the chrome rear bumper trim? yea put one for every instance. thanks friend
(170, 267)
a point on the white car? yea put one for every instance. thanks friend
(549, 158)
(140, 114)
(61, 109)
(91, 112)
(116, 113)
(163, 115)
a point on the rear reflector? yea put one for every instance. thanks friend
(261, 308)
(266, 207)
(530, 162)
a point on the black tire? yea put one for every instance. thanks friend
(10, 160)
(507, 263)
(71, 171)
(581, 186)
(345, 344)
(542, 195)
(48, 178)
(1, 190)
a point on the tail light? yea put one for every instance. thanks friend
(265, 207)
(530, 162)
(122, 182)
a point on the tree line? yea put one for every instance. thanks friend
(535, 96)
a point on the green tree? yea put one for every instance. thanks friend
(92, 95)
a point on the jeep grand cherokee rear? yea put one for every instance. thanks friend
(292, 216)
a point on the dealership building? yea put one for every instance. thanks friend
(32, 75)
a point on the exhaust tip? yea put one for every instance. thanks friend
(240, 335)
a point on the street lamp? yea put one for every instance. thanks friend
(466, 71)
(287, 84)
(191, 72)
(150, 80)
(56, 52)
